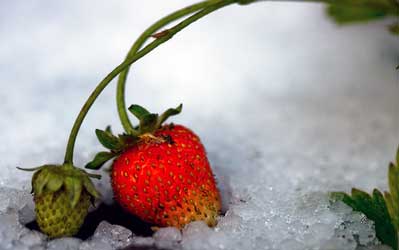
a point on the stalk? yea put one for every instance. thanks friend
(120, 93)
(126, 63)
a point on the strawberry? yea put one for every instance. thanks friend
(161, 173)
(62, 196)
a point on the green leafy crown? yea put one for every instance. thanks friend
(148, 124)
(53, 178)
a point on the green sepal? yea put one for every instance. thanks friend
(95, 176)
(128, 140)
(89, 186)
(35, 174)
(64, 178)
(108, 140)
(138, 111)
(30, 169)
(168, 113)
(40, 181)
(108, 129)
(100, 159)
(148, 123)
(34, 177)
(73, 187)
(54, 183)
(375, 209)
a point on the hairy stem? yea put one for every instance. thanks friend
(126, 63)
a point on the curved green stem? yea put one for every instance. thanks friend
(126, 63)
(120, 92)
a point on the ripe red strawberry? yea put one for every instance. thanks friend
(162, 175)
(168, 182)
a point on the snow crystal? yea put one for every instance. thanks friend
(14, 199)
(143, 241)
(167, 238)
(11, 231)
(115, 235)
(26, 214)
(64, 244)
(95, 244)
(33, 239)
(288, 112)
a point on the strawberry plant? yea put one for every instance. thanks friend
(161, 172)
(62, 192)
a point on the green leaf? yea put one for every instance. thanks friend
(394, 28)
(375, 208)
(148, 123)
(397, 155)
(168, 113)
(108, 140)
(392, 197)
(100, 159)
(392, 209)
(384, 227)
(393, 175)
(138, 111)
(351, 11)
(343, 14)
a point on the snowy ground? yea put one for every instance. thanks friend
(289, 106)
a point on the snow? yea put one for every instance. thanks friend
(288, 105)
(115, 235)
(167, 238)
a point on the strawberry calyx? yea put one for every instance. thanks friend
(116, 144)
(53, 178)
(150, 122)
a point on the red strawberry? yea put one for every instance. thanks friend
(162, 175)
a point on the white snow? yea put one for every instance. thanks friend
(288, 105)
(115, 235)
(168, 238)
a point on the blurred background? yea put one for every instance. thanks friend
(279, 76)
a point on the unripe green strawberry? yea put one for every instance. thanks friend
(56, 217)
(62, 196)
